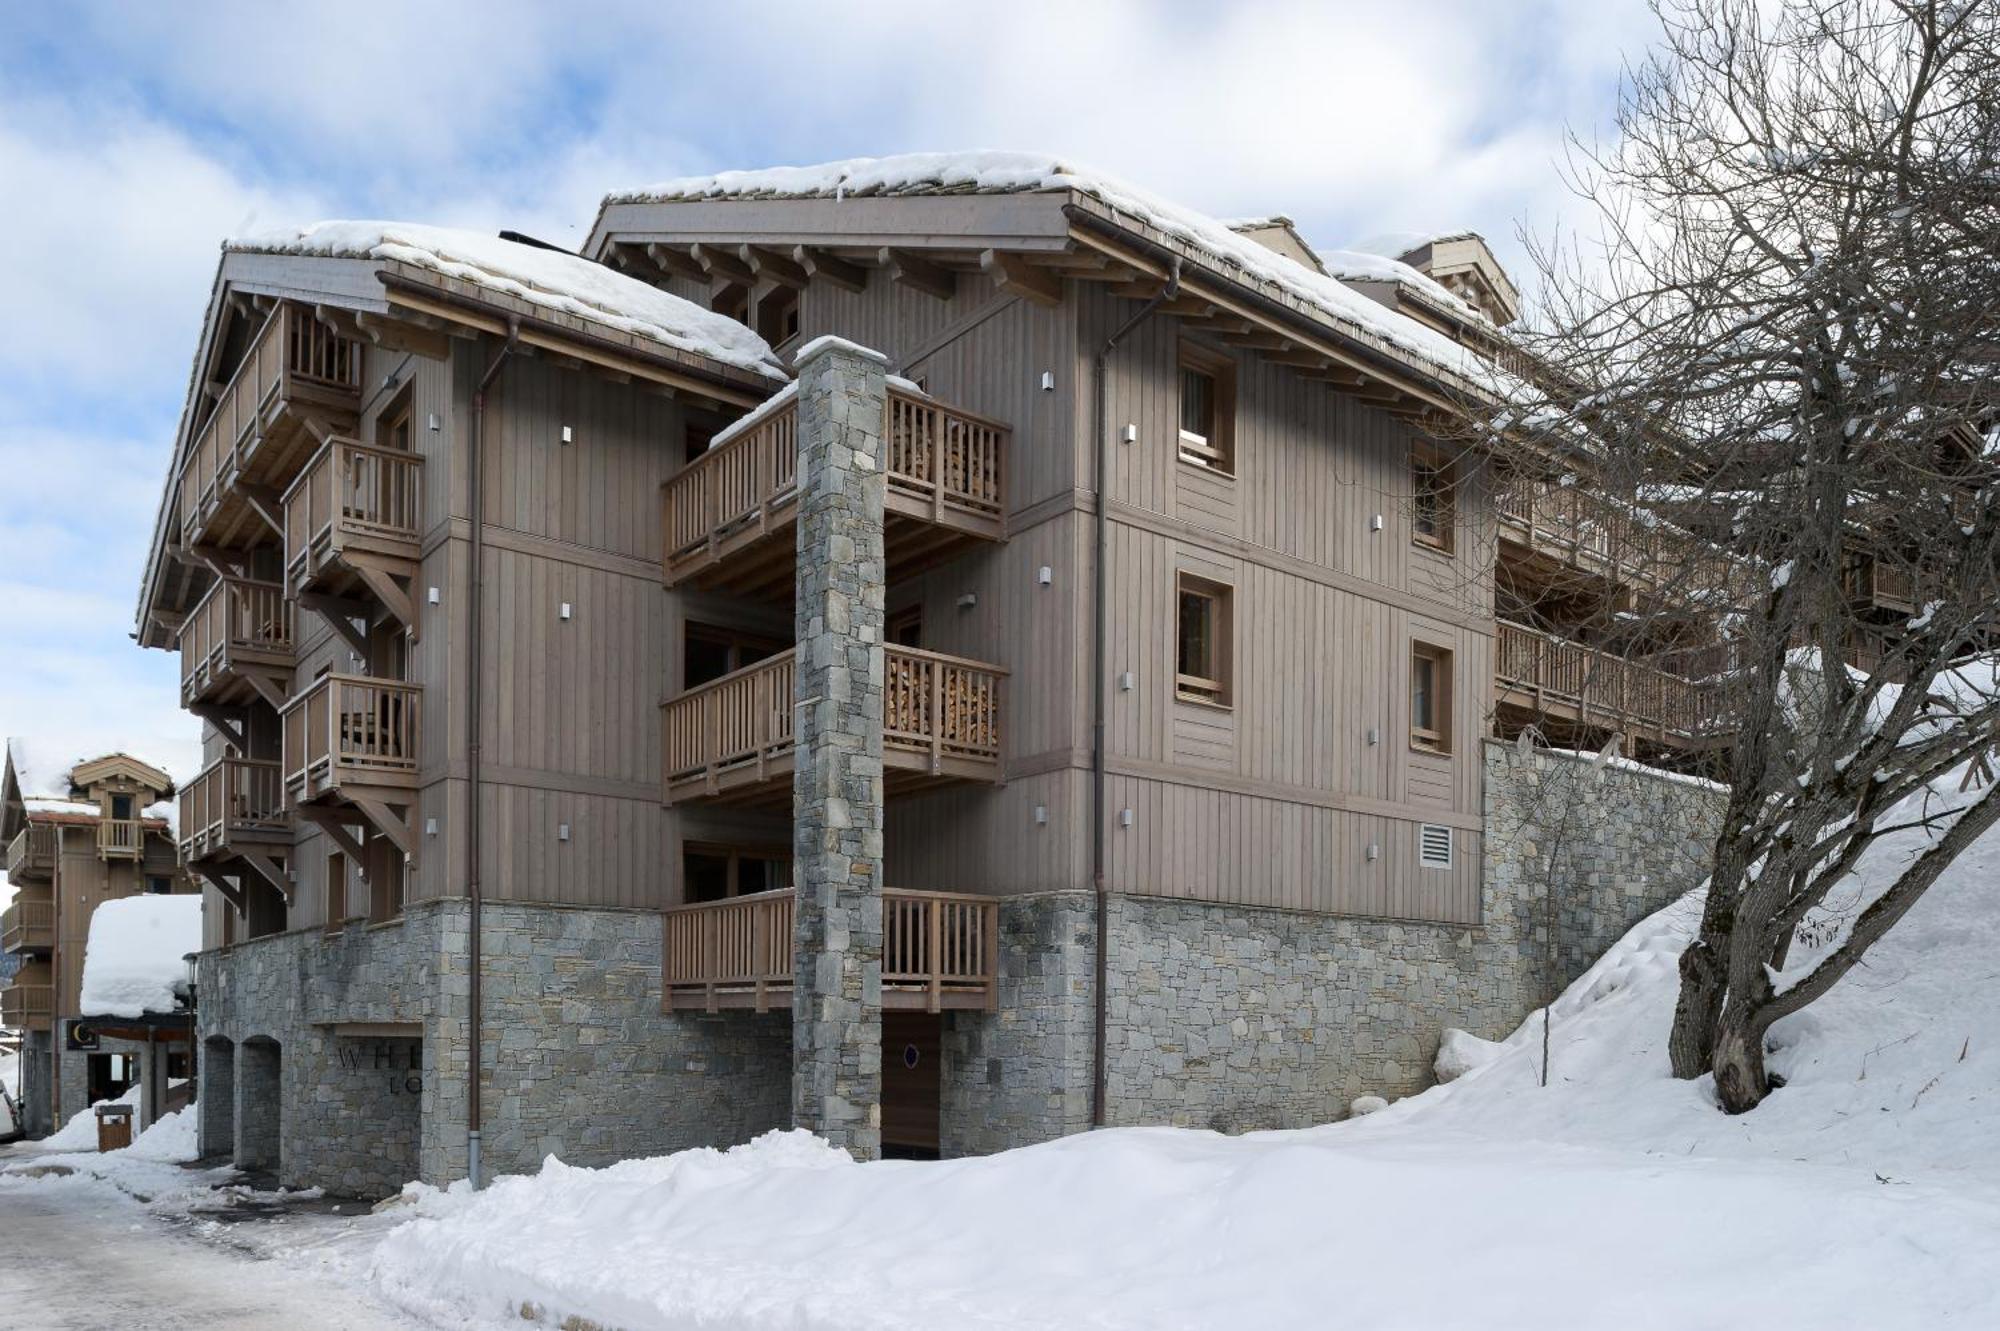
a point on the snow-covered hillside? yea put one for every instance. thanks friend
(1866, 1193)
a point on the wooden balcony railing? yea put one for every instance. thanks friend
(940, 718)
(237, 618)
(31, 855)
(1872, 583)
(120, 838)
(351, 496)
(28, 926)
(293, 356)
(940, 950)
(1598, 688)
(350, 730)
(944, 466)
(1608, 538)
(232, 797)
(23, 1003)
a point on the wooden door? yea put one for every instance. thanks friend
(910, 1084)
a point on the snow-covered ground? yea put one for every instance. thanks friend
(1865, 1193)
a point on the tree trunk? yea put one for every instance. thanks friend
(1740, 1080)
(1691, 1043)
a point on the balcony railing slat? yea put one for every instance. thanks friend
(1608, 686)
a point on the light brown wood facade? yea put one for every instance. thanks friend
(635, 691)
(65, 856)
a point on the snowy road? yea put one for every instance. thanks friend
(79, 1258)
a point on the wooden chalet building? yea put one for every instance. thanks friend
(941, 650)
(75, 838)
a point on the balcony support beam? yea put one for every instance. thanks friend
(389, 823)
(227, 720)
(340, 615)
(267, 504)
(334, 824)
(221, 883)
(267, 869)
(388, 589)
(830, 268)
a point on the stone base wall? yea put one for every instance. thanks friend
(1238, 1018)
(579, 1060)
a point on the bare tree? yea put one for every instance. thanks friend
(1784, 338)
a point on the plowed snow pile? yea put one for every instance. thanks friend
(1866, 1193)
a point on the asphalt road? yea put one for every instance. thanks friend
(75, 1259)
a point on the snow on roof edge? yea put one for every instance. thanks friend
(1001, 172)
(554, 279)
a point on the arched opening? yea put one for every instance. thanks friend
(259, 1103)
(217, 1099)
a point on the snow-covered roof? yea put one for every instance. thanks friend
(1362, 265)
(134, 961)
(1396, 244)
(551, 278)
(997, 172)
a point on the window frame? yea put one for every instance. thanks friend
(1215, 690)
(1216, 451)
(1425, 459)
(734, 855)
(1435, 738)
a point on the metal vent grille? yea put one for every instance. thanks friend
(1434, 846)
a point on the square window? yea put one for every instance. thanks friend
(1201, 641)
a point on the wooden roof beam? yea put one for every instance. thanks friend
(674, 263)
(919, 274)
(772, 267)
(830, 268)
(1015, 276)
(721, 265)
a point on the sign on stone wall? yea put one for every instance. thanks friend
(400, 1062)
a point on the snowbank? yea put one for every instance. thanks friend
(80, 1133)
(993, 172)
(1863, 1194)
(134, 961)
(550, 278)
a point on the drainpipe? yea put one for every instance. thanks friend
(56, 985)
(475, 503)
(1099, 632)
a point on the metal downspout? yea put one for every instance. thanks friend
(1099, 632)
(475, 504)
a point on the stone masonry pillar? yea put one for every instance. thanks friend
(837, 774)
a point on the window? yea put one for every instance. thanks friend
(386, 867)
(1433, 514)
(1201, 641)
(1208, 409)
(716, 873)
(1433, 846)
(336, 890)
(778, 316)
(392, 427)
(709, 652)
(906, 627)
(732, 302)
(1430, 698)
(696, 436)
(158, 885)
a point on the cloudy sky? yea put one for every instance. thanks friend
(134, 137)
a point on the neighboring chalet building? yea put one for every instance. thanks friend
(76, 838)
(1066, 702)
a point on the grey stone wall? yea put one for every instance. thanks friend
(578, 1059)
(1022, 1073)
(1237, 1018)
(837, 772)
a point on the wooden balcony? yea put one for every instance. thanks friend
(1569, 530)
(1872, 584)
(731, 738)
(298, 378)
(26, 1005)
(728, 515)
(1551, 676)
(121, 838)
(31, 855)
(236, 645)
(28, 926)
(236, 804)
(351, 525)
(349, 738)
(940, 952)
